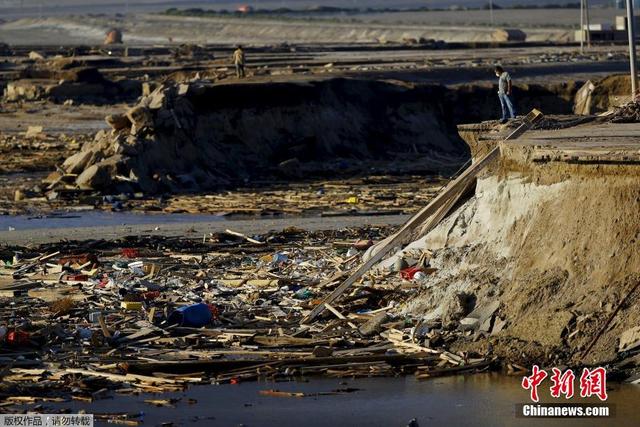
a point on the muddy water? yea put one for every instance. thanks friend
(474, 400)
(47, 230)
(96, 218)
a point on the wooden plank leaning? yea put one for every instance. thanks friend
(438, 208)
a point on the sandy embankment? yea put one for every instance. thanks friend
(162, 29)
(554, 244)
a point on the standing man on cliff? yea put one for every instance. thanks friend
(505, 94)
(238, 61)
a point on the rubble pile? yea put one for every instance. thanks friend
(628, 113)
(152, 314)
(508, 35)
(602, 95)
(37, 150)
(197, 136)
(68, 80)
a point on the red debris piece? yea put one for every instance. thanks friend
(130, 253)
(79, 259)
(363, 244)
(408, 273)
(77, 277)
(17, 338)
(215, 313)
(150, 295)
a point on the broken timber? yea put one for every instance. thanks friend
(437, 209)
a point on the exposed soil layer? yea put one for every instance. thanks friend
(197, 136)
(556, 245)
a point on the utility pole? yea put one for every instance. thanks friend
(632, 47)
(581, 26)
(586, 17)
(584, 25)
(491, 11)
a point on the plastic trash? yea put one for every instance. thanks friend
(409, 273)
(84, 333)
(150, 295)
(194, 316)
(130, 253)
(352, 251)
(77, 277)
(120, 265)
(353, 200)
(303, 294)
(279, 258)
(17, 337)
(131, 305)
(419, 276)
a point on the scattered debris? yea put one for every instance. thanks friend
(152, 314)
(630, 339)
(36, 56)
(628, 113)
(33, 131)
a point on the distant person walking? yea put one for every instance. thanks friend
(238, 61)
(505, 94)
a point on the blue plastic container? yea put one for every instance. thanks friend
(194, 316)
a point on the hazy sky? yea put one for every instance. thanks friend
(262, 3)
(12, 9)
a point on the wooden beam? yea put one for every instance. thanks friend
(121, 378)
(338, 314)
(224, 365)
(438, 208)
(453, 189)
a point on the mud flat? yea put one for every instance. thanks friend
(551, 236)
